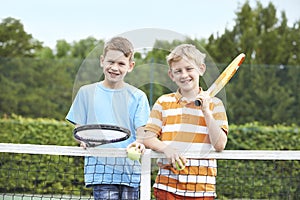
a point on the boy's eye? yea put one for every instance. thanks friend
(121, 64)
(177, 71)
(110, 62)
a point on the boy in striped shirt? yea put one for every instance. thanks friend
(177, 125)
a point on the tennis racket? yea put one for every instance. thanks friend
(224, 77)
(98, 134)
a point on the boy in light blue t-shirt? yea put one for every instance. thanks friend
(113, 102)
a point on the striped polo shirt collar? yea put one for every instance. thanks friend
(181, 99)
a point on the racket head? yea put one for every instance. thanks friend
(226, 75)
(98, 134)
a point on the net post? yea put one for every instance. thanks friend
(145, 187)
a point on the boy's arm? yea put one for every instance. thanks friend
(138, 145)
(217, 136)
(82, 144)
(150, 140)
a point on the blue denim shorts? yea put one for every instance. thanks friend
(115, 192)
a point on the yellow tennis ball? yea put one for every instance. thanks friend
(133, 154)
(178, 166)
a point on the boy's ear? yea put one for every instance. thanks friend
(101, 60)
(202, 69)
(131, 66)
(170, 74)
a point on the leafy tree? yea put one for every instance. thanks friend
(45, 53)
(41, 89)
(82, 48)
(62, 49)
(264, 89)
(14, 41)
(293, 45)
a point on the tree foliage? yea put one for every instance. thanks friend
(37, 81)
(265, 87)
(14, 41)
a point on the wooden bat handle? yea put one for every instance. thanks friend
(198, 102)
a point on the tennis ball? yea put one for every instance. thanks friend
(133, 154)
(178, 166)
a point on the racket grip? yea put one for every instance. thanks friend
(198, 102)
(88, 144)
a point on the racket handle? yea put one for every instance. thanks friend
(198, 102)
(89, 144)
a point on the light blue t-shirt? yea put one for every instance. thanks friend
(127, 107)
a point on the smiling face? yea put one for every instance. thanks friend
(115, 67)
(186, 75)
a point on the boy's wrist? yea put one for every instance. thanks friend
(207, 112)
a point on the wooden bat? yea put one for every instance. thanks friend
(224, 77)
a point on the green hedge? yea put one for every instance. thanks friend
(255, 179)
(36, 131)
(39, 174)
(254, 136)
(63, 174)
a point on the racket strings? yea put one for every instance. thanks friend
(101, 134)
(95, 135)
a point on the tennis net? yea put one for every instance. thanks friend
(56, 172)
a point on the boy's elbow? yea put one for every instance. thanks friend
(220, 146)
(220, 142)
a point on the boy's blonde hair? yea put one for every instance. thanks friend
(188, 52)
(120, 44)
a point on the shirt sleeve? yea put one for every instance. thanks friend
(78, 111)
(155, 120)
(142, 112)
(219, 113)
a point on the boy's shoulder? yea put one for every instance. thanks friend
(216, 100)
(170, 97)
(134, 90)
(173, 94)
(131, 87)
(88, 86)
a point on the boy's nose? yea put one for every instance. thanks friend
(114, 67)
(184, 73)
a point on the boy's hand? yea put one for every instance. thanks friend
(205, 101)
(138, 147)
(173, 156)
(83, 145)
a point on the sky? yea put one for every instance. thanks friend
(73, 20)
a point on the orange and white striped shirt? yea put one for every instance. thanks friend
(181, 125)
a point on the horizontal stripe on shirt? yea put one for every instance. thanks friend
(209, 175)
(183, 147)
(195, 191)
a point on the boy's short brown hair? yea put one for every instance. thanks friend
(120, 44)
(186, 51)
